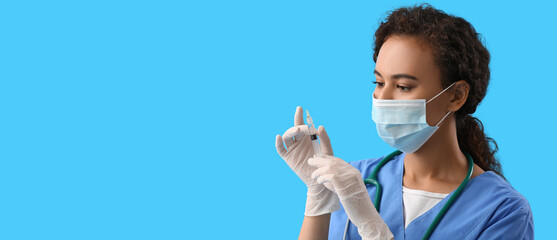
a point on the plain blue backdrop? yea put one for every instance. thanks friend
(157, 119)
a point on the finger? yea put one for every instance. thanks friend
(327, 178)
(321, 162)
(314, 161)
(320, 172)
(280, 146)
(330, 186)
(290, 134)
(325, 141)
(299, 116)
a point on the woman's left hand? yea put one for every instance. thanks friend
(337, 175)
(347, 182)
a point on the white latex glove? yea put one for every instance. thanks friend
(346, 181)
(320, 200)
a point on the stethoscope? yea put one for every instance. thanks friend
(372, 179)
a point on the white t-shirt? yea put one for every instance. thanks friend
(417, 202)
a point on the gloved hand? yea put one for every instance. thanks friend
(320, 200)
(346, 181)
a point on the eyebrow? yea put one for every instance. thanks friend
(398, 76)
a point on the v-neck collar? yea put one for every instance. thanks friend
(426, 218)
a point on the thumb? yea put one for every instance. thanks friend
(325, 141)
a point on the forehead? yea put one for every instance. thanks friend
(404, 54)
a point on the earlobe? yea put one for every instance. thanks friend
(460, 95)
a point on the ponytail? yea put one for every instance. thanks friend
(472, 139)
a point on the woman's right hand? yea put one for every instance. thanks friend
(299, 148)
(320, 199)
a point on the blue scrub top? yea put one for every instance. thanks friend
(488, 208)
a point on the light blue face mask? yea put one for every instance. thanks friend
(402, 123)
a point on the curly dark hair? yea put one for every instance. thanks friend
(460, 55)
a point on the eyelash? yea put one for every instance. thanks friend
(402, 88)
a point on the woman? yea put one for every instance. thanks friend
(424, 58)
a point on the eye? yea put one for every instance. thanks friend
(404, 88)
(379, 84)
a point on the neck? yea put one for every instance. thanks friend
(439, 160)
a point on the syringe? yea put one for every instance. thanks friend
(313, 136)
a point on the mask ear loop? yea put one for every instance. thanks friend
(441, 92)
(446, 115)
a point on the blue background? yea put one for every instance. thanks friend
(157, 119)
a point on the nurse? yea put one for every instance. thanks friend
(431, 73)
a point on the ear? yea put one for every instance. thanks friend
(459, 95)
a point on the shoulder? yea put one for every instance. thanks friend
(500, 189)
(507, 210)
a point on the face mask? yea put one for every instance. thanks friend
(402, 123)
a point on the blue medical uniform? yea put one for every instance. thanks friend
(488, 208)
